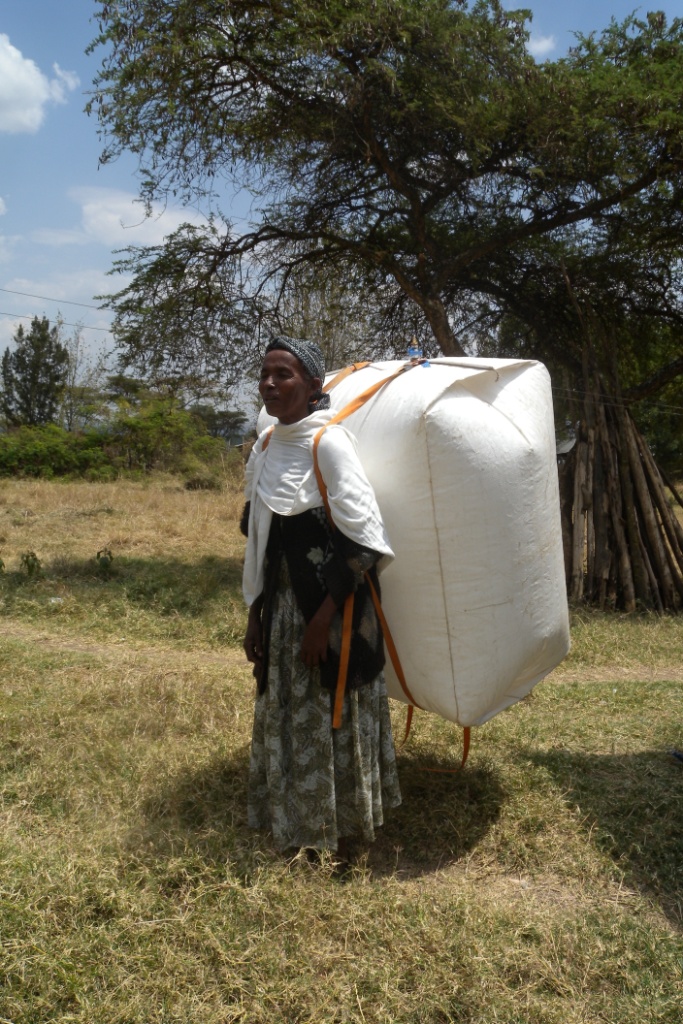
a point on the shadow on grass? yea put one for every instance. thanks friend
(166, 586)
(202, 813)
(633, 808)
(442, 818)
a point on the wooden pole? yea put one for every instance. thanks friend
(640, 576)
(579, 525)
(623, 572)
(651, 537)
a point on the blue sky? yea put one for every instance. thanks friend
(61, 216)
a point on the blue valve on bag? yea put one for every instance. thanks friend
(415, 353)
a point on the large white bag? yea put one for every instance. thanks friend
(461, 454)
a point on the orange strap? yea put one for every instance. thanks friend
(410, 711)
(465, 751)
(343, 662)
(391, 646)
(343, 374)
(266, 439)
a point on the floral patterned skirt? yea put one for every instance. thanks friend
(310, 784)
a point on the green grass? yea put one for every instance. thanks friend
(163, 600)
(542, 885)
(623, 642)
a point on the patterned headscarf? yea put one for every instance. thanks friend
(311, 358)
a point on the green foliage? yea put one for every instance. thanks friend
(161, 435)
(31, 564)
(661, 422)
(34, 375)
(224, 423)
(52, 451)
(104, 559)
(126, 391)
(84, 404)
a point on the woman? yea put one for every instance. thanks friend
(313, 786)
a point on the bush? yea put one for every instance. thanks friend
(160, 437)
(49, 451)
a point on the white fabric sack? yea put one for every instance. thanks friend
(461, 455)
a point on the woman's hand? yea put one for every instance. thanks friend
(253, 639)
(315, 643)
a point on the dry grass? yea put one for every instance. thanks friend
(157, 517)
(175, 569)
(543, 885)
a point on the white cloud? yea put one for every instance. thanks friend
(65, 82)
(116, 219)
(25, 90)
(73, 285)
(7, 242)
(540, 46)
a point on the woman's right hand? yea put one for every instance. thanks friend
(253, 639)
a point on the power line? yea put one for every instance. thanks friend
(84, 327)
(46, 298)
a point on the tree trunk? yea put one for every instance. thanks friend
(437, 317)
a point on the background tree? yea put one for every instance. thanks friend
(160, 435)
(417, 149)
(228, 424)
(34, 375)
(83, 403)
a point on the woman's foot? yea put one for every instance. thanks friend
(340, 861)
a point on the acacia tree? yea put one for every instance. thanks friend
(414, 145)
(34, 375)
(416, 137)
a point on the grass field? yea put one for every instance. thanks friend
(542, 885)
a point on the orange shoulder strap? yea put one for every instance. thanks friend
(266, 439)
(343, 374)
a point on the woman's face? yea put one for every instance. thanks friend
(285, 387)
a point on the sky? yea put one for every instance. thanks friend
(62, 216)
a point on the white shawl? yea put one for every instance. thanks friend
(281, 479)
